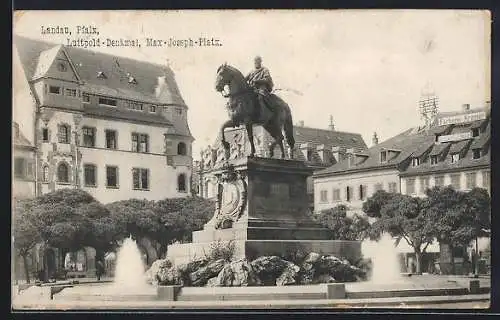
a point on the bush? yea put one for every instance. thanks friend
(221, 250)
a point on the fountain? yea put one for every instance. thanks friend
(384, 257)
(129, 272)
(129, 283)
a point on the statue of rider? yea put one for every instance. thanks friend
(260, 80)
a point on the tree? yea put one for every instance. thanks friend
(343, 227)
(459, 217)
(66, 219)
(162, 222)
(26, 234)
(182, 216)
(403, 217)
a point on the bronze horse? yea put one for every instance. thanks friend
(244, 109)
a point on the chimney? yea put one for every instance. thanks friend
(465, 107)
(322, 152)
(375, 139)
(301, 123)
(331, 126)
(336, 153)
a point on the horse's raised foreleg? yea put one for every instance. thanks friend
(249, 128)
(225, 144)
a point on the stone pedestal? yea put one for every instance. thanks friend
(262, 207)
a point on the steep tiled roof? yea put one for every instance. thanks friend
(329, 138)
(34, 54)
(418, 142)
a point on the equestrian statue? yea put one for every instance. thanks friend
(252, 101)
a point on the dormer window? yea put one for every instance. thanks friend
(415, 162)
(455, 157)
(132, 80)
(101, 75)
(475, 132)
(476, 153)
(152, 108)
(434, 159)
(383, 156)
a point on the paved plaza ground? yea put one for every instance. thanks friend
(28, 301)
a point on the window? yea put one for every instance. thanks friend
(415, 162)
(181, 149)
(336, 194)
(475, 132)
(90, 175)
(71, 92)
(181, 183)
(20, 167)
(455, 181)
(455, 157)
(45, 174)
(470, 180)
(348, 193)
(410, 186)
(378, 186)
(393, 187)
(309, 155)
(323, 196)
(63, 133)
(111, 177)
(140, 178)
(486, 180)
(88, 137)
(45, 135)
(86, 98)
(107, 102)
(439, 181)
(63, 173)
(362, 192)
(152, 108)
(110, 139)
(179, 111)
(476, 153)
(424, 184)
(134, 105)
(140, 142)
(383, 156)
(434, 160)
(55, 90)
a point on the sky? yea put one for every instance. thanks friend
(366, 68)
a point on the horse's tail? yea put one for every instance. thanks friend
(288, 128)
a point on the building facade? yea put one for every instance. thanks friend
(112, 126)
(318, 148)
(453, 150)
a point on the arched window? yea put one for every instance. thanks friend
(181, 149)
(63, 172)
(45, 175)
(181, 183)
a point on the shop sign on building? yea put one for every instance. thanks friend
(462, 118)
(455, 137)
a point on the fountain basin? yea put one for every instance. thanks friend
(107, 292)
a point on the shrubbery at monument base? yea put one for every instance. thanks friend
(266, 270)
